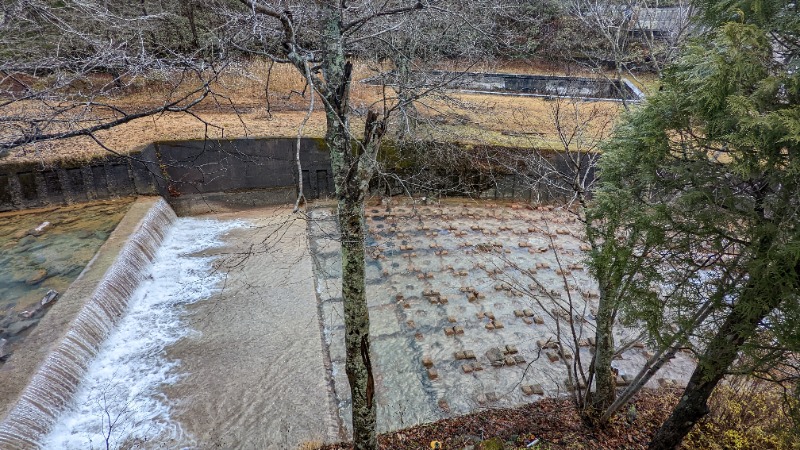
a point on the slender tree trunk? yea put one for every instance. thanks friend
(605, 378)
(356, 317)
(189, 9)
(356, 314)
(348, 182)
(409, 112)
(719, 355)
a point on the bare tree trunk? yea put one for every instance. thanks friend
(189, 11)
(356, 317)
(409, 112)
(654, 364)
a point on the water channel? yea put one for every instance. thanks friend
(225, 330)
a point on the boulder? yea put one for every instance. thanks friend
(494, 354)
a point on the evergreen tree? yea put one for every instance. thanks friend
(707, 172)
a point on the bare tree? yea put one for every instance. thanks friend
(63, 68)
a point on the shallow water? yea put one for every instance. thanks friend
(452, 248)
(251, 366)
(255, 374)
(33, 262)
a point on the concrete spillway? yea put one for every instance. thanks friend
(56, 380)
(185, 340)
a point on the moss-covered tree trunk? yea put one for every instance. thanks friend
(353, 163)
(356, 318)
(350, 186)
(605, 380)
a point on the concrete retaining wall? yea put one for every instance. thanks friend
(29, 186)
(531, 85)
(179, 171)
(203, 176)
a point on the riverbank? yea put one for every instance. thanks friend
(554, 422)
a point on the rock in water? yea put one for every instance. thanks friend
(21, 326)
(37, 277)
(38, 231)
(48, 299)
(494, 354)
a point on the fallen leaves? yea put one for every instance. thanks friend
(555, 422)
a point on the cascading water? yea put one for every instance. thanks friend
(56, 381)
(120, 401)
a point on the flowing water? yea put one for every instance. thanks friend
(491, 263)
(43, 251)
(259, 362)
(52, 387)
(243, 368)
(34, 261)
(255, 376)
(119, 401)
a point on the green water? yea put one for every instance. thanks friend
(34, 261)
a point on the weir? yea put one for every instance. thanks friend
(269, 340)
(54, 383)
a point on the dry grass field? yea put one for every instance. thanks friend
(243, 107)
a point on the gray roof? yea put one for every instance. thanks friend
(661, 20)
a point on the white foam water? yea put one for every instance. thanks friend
(118, 403)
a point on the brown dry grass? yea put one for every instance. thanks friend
(240, 109)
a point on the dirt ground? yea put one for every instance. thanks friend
(550, 423)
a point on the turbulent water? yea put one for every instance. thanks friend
(119, 401)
